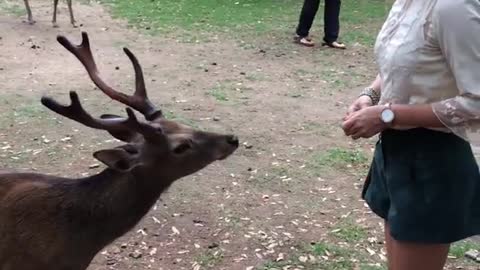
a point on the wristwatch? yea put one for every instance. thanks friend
(387, 114)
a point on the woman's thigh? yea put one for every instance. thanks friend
(414, 256)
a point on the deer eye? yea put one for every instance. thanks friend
(182, 148)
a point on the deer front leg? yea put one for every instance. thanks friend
(29, 12)
(70, 9)
(54, 19)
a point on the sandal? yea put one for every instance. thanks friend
(334, 44)
(305, 41)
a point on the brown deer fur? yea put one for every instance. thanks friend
(54, 223)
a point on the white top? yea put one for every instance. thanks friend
(428, 51)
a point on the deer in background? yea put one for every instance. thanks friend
(54, 19)
(55, 223)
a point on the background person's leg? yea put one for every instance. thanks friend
(331, 20)
(332, 23)
(307, 16)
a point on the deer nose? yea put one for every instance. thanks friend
(233, 140)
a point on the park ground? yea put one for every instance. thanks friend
(289, 198)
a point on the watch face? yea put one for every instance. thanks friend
(387, 116)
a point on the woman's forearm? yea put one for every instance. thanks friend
(377, 84)
(416, 116)
(410, 115)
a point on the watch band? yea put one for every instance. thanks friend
(372, 94)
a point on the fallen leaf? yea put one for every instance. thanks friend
(370, 251)
(93, 166)
(156, 220)
(280, 257)
(303, 259)
(135, 254)
(175, 230)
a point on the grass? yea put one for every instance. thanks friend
(274, 177)
(219, 93)
(255, 77)
(230, 92)
(316, 256)
(13, 7)
(318, 164)
(339, 257)
(194, 21)
(325, 256)
(28, 111)
(337, 158)
(18, 110)
(459, 249)
(205, 15)
(170, 115)
(340, 156)
(372, 267)
(272, 266)
(330, 256)
(348, 231)
(209, 258)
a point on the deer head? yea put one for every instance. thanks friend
(155, 146)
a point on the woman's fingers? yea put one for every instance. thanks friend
(347, 125)
(353, 108)
(350, 127)
(358, 133)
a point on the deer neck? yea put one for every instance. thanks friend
(117, 202)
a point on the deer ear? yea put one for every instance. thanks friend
(124, 136)
(118, 159)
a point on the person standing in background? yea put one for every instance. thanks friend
(331, 23)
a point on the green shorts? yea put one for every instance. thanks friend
(426, 185)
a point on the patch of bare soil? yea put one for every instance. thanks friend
(291, 184)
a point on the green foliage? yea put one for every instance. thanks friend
(191, 20)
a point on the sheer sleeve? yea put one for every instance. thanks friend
(457, 26)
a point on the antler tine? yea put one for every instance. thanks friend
(140, 95)
(76, 112)
(148, 131)
(139, 101)
(140, 89)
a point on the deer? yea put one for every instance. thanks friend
(49, 222)
(54, 19)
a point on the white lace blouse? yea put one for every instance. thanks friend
(428, 51)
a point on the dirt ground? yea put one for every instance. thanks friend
(295, 182)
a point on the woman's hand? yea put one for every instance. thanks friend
(364, 123)
(361, 103)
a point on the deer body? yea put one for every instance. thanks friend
(63, 223)
(55, 223)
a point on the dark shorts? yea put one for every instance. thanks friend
(426, 185)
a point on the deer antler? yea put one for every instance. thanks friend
(76, 112)
(139, 100)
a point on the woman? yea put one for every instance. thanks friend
(423, 181)
(331, 23)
